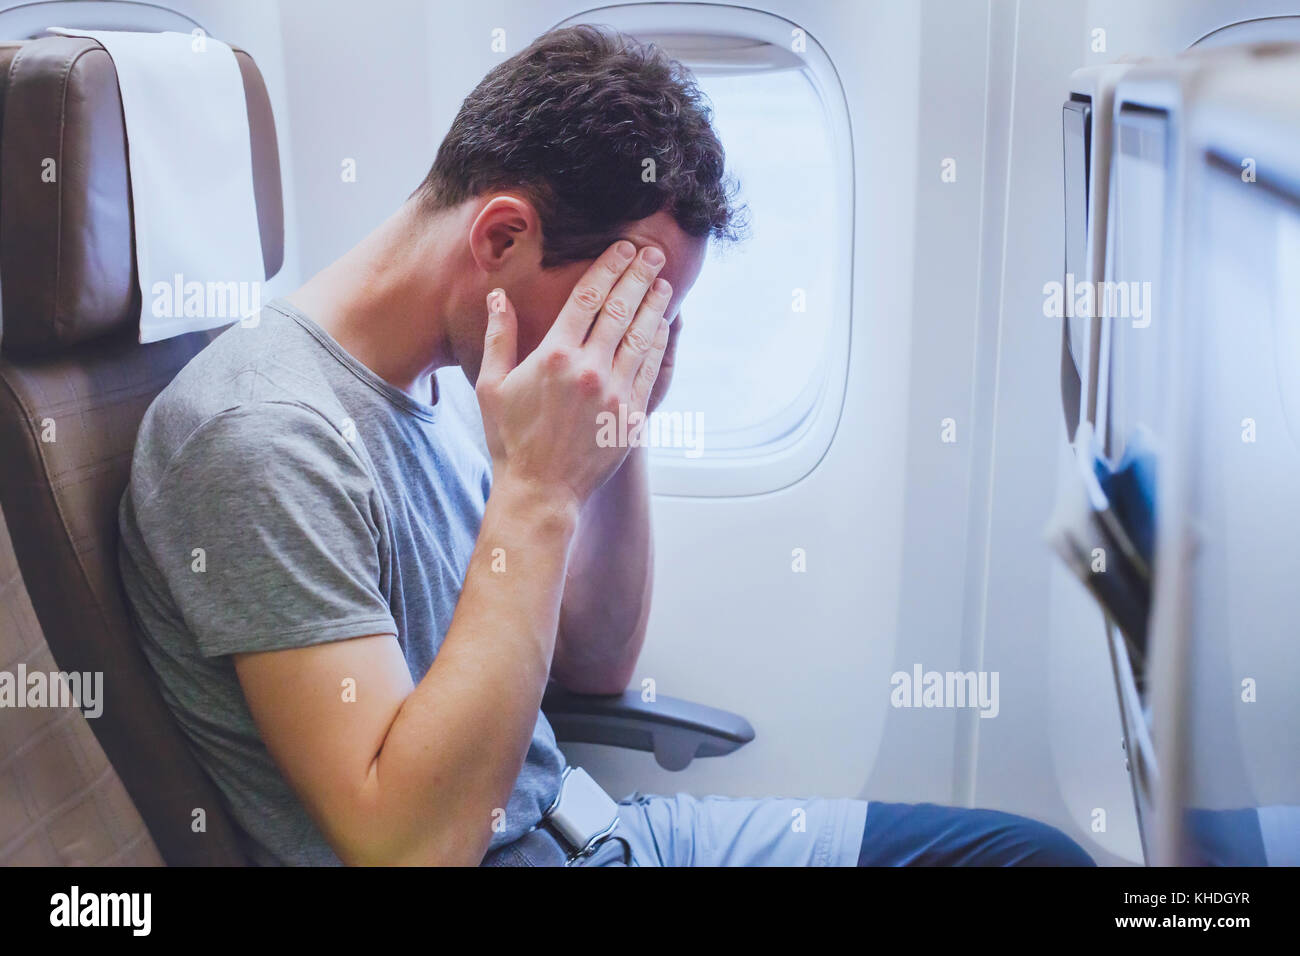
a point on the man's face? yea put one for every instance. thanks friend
(540, 298)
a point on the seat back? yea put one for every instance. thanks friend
(74, 385)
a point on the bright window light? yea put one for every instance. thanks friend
(752, 357)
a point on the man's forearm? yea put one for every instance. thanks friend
(455, 749)
(519, 620)
(609, 583)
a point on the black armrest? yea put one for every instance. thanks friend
(675, 731)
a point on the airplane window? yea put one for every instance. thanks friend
(763, 360)
(754, 340)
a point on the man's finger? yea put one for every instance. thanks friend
(623, 302)
(589, 294)
(499, 341)
(639, 339)
(649, 370)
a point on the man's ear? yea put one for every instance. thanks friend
(506, 228)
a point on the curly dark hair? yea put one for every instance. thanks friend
(570, 122)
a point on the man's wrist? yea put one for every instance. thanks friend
(549, 508)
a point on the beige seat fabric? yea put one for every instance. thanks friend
(61, 803)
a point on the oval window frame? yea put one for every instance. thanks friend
(789, 458)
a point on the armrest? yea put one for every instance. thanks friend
(675, 731)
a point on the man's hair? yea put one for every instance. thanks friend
(569, 123)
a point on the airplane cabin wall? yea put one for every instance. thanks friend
(980, 590)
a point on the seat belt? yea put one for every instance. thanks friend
(579, 823)
(583, 815)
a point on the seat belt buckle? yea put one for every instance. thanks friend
(582, 816)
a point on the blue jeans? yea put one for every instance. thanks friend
(683, 830)
(924, 834)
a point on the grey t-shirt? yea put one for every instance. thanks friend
(283, 495)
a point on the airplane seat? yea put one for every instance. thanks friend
(74, 385)
(62, 801)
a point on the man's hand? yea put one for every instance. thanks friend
(603, 351)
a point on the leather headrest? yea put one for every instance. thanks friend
(67, 255)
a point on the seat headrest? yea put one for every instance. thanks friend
(67, 255)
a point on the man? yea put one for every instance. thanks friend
(354, 580)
